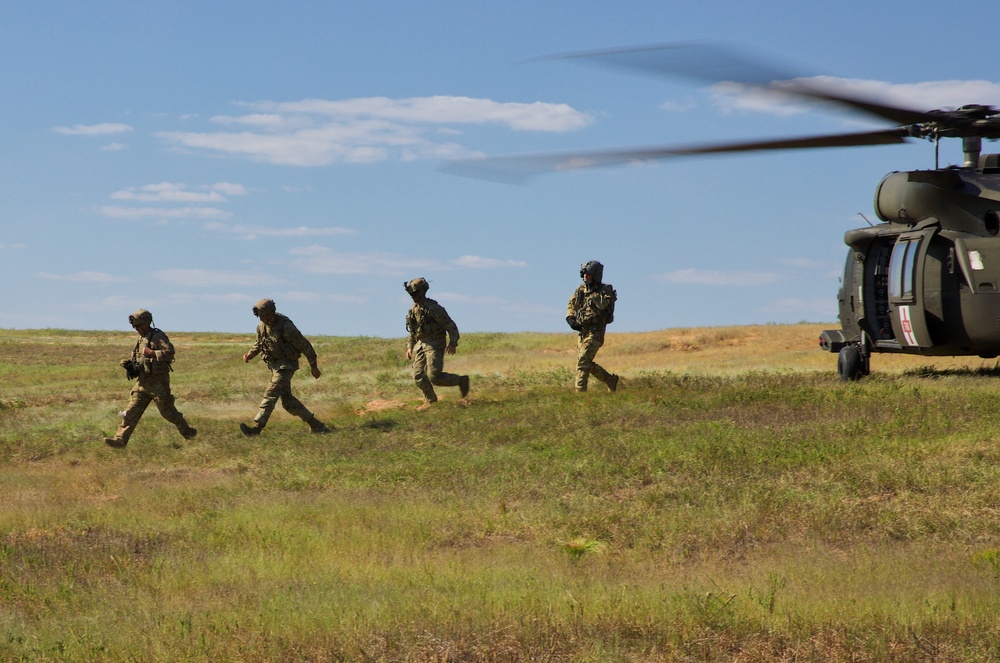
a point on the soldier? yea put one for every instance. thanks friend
(150, 363)
(428, 323)
(281, 344)
(590, 310)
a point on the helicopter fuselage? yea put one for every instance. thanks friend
(926, 280)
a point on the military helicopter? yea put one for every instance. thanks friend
(926, 280)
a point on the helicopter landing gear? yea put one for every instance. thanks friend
(851, 364)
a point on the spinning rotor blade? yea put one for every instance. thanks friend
(518, 169)
(716, 64)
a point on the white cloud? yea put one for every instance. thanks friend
(118, 212)
(318, 132)
(477, 262)
(11, 246)
(535, 116)
(113, 147)
(923, 96)
(321, 260)
(180, 193)
(207, 277)
(104, 129)
(83, 277)
(710, 277)
(253, 232)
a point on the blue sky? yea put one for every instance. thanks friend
(194, 157)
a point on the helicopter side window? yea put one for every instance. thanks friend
(901, 269)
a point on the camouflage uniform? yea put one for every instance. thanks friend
(152, 385)
(429, 325)
(587, 312)
(281, 344)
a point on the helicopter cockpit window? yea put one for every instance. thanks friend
(902, 266)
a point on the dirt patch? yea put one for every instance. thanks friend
(380, 406)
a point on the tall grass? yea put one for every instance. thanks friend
(747, 507)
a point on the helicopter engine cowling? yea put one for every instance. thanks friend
(948, 195)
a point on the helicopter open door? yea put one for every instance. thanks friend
(906, 289)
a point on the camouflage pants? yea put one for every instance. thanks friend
(591, 340)
(280, 388)
(151, 388)
(428, 368)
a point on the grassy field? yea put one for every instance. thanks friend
(733, 501)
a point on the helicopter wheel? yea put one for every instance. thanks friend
(850, 365)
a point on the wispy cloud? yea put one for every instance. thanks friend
(253, 232)
(478, 262)
(208, 277)
(103, 129)
(17, 245)
(923, 96)
(322, 260)
(318, 132)
(83, 277)
(113, 147)
(712, 277)
(118, 212)
(171, 192)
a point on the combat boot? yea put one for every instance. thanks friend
(613, 382)
(317, 426)
(189, 433)
(463, 385)
(115, 442)
(251, 431)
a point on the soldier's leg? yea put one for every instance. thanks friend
(588, 346)
(139, 400)
(160, 389)
(435, 365)
(281, 383)
(420, 369)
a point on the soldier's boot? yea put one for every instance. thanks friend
(251, 431)
(463, 385)
(184, 428)
(612, 382)
(317, 426)
(581, 381)
(121, 436)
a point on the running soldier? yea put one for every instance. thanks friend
(428, 324)
(150, 363)
(590, 310)
(281, 343)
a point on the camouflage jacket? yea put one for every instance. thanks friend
(161, 346)
(592, 308)
(282, 344)
(427, 321)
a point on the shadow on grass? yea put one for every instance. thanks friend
(932, 372)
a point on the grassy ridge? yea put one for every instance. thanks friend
(733, 501)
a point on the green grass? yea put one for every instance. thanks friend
(767, 513)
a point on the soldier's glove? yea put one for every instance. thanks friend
(131, 368)
(573, 324)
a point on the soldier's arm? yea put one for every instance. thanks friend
(447, 324)
(163, 349)
(255, 348)
(300, 342)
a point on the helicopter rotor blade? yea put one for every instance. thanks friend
(517, 169)
(718, 64)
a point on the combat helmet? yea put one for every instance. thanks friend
(417, 287)
(595, 269)
(264, 305)
(141, 315)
